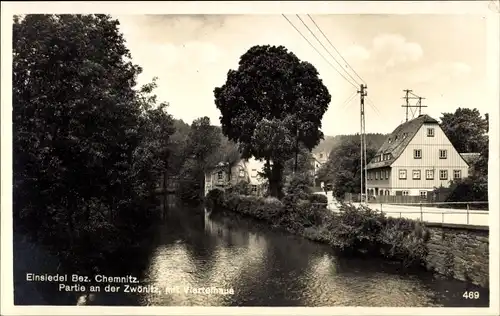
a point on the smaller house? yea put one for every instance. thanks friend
(223, 176)
(321, 157)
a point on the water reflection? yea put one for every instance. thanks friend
(265, 267)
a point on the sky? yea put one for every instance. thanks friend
(442, 58)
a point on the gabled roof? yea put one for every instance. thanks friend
(398, 140)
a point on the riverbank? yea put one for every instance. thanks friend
(354, 230)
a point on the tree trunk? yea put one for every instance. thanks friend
(275, 181)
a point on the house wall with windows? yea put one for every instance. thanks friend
(222, 177)
(416, 158)
(429, 161)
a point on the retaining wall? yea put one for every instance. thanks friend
(459, 251)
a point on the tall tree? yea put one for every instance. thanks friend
(465, 128)
(85, 142)
(272, 102)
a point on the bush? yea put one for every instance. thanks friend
(299, 184)
(357, 228)
(318, 198)
(215, 199)
(242, 188)
(405, 240)
(262, 208)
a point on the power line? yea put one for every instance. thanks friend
(346, 103)
(354, 85)
(317, 26)
(375, 109)
(326, 48)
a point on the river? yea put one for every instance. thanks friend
(264, 266)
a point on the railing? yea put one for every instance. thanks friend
(474, 209)
(430, 208)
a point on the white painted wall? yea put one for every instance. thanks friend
(430, 160)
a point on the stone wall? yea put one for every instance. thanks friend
(460, 251)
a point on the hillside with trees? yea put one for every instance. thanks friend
(330, 142)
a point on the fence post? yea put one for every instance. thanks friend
(442, 217)
(467, 213)
(421, 212)
(381, 207)
(400, 215)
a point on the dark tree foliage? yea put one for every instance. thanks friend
(467, 131)
(465, 128)
(87, 146)
(272, 103)
(345, 168)
(327, 172)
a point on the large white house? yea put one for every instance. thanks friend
(221, 176)
(414, 160)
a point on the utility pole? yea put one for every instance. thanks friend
(364, 190)
(408, 106)
(406, 97)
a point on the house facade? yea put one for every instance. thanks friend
(222, 177)
(414, 160)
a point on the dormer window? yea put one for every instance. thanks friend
(396, 137)
(390, 140)
(404, 135)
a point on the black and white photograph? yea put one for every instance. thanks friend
(285, 159)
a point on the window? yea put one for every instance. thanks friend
(402, 174)
(443, 174)
(417, 154)
(242, 173)
(254, 173)
(405, 192)
(430, 132)
(429, 174)
(254, 188)
(376, 175)
(404, 135)
(443, 154)
(220, 175)
(416, 174)
(387, 192)
(320, 156)
(457, 174)
(387, 174)
(423, 194)
(390, 140)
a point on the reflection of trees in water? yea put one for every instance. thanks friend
(205, 253)
(277, 282)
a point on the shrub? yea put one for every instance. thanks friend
(299, 184)
(242, 188)
(405, 240)
(357, 228)
(215, 199)
(318, 198)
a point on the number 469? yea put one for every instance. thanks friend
(471, 295)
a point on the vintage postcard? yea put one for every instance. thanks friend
(298, 157)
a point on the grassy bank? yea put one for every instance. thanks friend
(351, 231)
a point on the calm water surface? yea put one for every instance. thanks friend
(267, 267)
